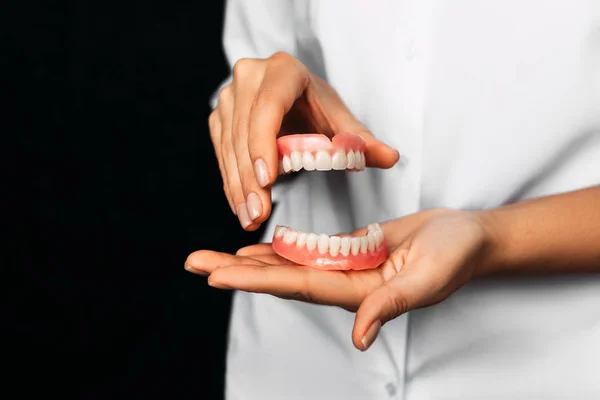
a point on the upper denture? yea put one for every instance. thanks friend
(346, 151)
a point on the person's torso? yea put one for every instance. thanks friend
(488, 103)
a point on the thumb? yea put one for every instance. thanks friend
(379, 154)
(412, 287)
(340, 119)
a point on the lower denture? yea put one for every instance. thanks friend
(331, 252)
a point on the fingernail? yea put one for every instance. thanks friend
(261, 172)
(371, 335)
(254, 206)
(193, 270)
(242, 213)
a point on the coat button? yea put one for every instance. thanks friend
(391, 389)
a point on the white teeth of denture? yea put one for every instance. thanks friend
(301, 241)
(339, 161)
(359, 160)
(323, 243)
(371, 228)
(333, 245)
(350, 159)
(378, 238)
(345, 245)
(279, 231)
(371, 241)
(375, 231)
(364, 244)
(296, 158)
(311, 241)
(355, 245)
(287, 164)
(290, 236)
(321, 161)
(309, 161)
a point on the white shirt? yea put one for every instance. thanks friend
(488, 102)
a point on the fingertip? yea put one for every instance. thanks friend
(215, 276)
(396, 156)
(242, 252)
(195, 271)
(197, 257)
(391, 158)
(259, 207)
(365, 332)
(255, 206)
(252, 250)
(252, 227)
(371, 335)
(217, 284)
(357, 337)
(357, 343)
(244, 216)
(382, 156)
(199, 262)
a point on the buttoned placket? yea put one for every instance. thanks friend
(414, 47)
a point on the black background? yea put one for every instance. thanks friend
(117, 186)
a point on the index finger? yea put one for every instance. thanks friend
(292, 282)
(206, 261)
(284, 82)
(256, 249)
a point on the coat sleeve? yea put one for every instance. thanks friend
(256, 29)
(259, 28)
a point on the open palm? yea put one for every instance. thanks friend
(432, 254)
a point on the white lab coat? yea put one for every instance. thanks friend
(488, 102)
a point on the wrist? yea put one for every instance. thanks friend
(496, 244)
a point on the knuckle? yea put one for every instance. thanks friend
(399, 305)
(284, 60)
(242, 251)
(243, 67)
(225, 94)
(305, 290)
(396, 304)
(282, 56)
(212, 117)
(213, 122)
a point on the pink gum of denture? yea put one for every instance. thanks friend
(313, 142)
(312, 258)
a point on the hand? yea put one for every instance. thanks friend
(432, 254)
(266, 98)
